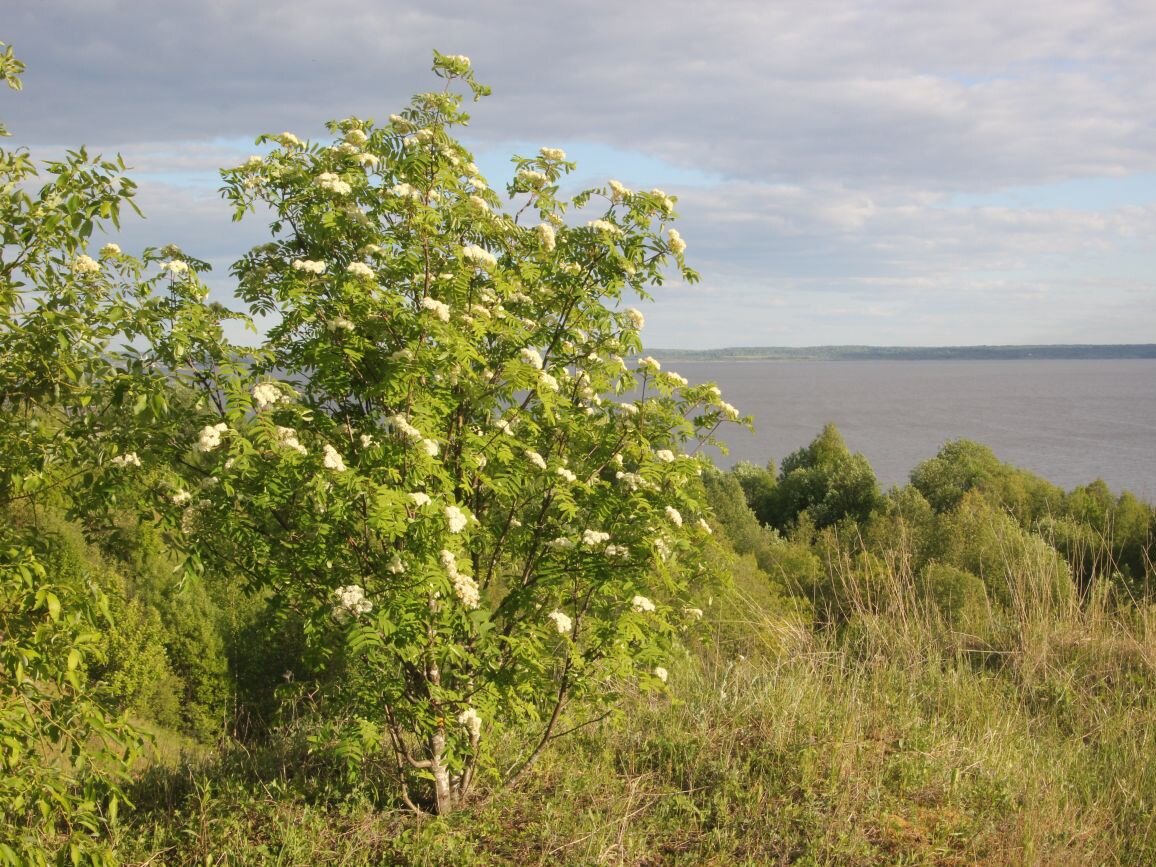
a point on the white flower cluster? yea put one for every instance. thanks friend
(532, 358)
(287, 139)
(309, 265)
(438, 308)
(480, 203)
(210, 437)
(547, 381)
(351, 602)
(464, 586)
(618, 192)
(267, 394)
(664, 455)
(664, 201)
(677, 245)
(333, 460)
(556, 154)
(604, 226)
(478, 256)
(617, 551)
(705, 527)
(360, 269)
(287, 437)
(339, 323)
(566, 474)
(402, 426)
(675, 379)
(356, 137)
(628, 409)
(642, 605)
(560, 544)
(109, 250)
(181, 498)
(536, 459)
(633, 481)
(660, 673)
(419, 499)
(456, 519)
(649, 363)
(674, 516)
(470, 721)
(405, 191)
(561, 621)
(459, 60)
(332, 183)
(176, 267)
(637, 321)
(128, 459)
(594, 538)
(532, 178)
(546, 236)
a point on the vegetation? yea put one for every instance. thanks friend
(427, 578)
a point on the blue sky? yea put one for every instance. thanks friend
(848, 172)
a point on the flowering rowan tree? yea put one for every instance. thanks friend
(440, 458)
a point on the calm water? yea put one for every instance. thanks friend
(1068, 421)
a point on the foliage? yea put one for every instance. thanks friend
(421, 463)
(826, 480)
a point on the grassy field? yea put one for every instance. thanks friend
(893, 741)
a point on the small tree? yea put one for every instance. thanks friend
(439, 458)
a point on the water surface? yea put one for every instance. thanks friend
(1070, 421)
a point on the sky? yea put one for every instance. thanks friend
(883, 172)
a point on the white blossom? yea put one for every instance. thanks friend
(704, 526)
(287, 437)
(675, 379)
(617, 551)
(532, 358)
(401, 424)
(664, 455)
(360, 269)
(312, 266)
(334, 184)
(642, 605)
(356, 137)
(617, 191)
(531, 177)
(677, 245)
(696, 613)
(340, 323)
(459, 60)
(480, 203)
(128, 459)
(561, 621)
(471, 722)
(633, 481)
(438, 308)
(729, 411)
(560, 544)
(594, 538)
(674, 516)
(604, 226)
(650, 363)
(405, 191)
(181, 498)
(367, 159)
(430, 447)
(351, 602)
(465, 588)
(479, 256)
(367, 441)
(556, 154)
(547, 381)
(333, 460)
(109, 250)
(566, 474)
(664, 201)
(504, 426)
(628, 409)
(419, 499)
(536, 459)
(287, 139)
(266, 394)
(396, 566)
(660, 673)
(176, 267)
(210, 437)
(456, 519)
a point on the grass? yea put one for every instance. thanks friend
(880, 744)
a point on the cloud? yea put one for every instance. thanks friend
(821, 150)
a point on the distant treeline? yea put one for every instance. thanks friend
(911, 353)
